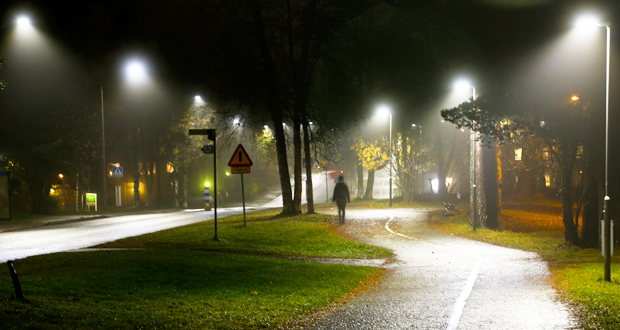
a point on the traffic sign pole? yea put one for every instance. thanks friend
(214, 189)
(243, 199)
(210, 133)
(240, 163)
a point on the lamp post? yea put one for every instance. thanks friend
(104, 166)
(384, 109)
(472, 142)
(586, 22)
(136, 75)
(417, 183)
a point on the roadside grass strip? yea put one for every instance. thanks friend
(172, 289)
(266, 233)
(576, 273)
(182, 279)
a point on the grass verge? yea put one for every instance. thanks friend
(266, 233)
(576, 273)
(190, 282)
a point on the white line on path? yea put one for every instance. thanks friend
(460, 302)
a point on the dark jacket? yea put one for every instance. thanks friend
(341, 193)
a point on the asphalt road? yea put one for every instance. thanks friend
(81, 234)
(440, 281)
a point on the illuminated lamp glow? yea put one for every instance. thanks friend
(135, 72)
(23, 21)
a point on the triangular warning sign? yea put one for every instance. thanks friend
(240, 158)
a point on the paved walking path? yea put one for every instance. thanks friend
(444, 282)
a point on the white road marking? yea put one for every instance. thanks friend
(460, 302)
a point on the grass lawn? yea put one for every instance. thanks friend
(577, 273)
(184, 279)
(266, 233)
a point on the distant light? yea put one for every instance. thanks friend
(197, 98)
(435, 185)
(207, 184)
(227, 173)
(310, 123)
(135, 72)
(384, 110)
(52, 190)
(266, 127)
(462, 85)
(236, 121)
(587, 21)
(23, 21)
(61, 176)
(448, 181)
(574, 98)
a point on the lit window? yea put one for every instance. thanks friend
(518, 153)
(547, 180)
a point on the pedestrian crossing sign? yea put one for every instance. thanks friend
(117, 172)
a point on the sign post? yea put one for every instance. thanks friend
(210, 133)
(117, 172)
(240, 163)
(91, 201)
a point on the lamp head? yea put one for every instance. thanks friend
(384, 110)
(463, 85)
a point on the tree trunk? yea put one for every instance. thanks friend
(159, 170)
(370, 184)
(297, 162)
(570, 230)
(441, 166)
(360, 179)
(309, 186)
(491, 193)
(136, 169)
(589, 231)
(275, 108)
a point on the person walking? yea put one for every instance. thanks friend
(341, 197)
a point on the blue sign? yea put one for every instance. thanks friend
(117, 172)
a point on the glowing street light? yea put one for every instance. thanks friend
(136, 72)
(384, 110)
(465, 85)
(23, 21)
(591, 22)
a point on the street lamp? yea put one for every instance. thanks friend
(385, 110)
(135, 73)
(23, 21)
(464, 85)
(592, 22)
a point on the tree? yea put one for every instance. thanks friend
(373, 156)
(557, 121)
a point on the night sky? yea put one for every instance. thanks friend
(171, 33)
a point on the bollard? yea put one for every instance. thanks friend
(18, 288)
(207, 199)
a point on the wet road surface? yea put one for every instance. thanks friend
(440, 281)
